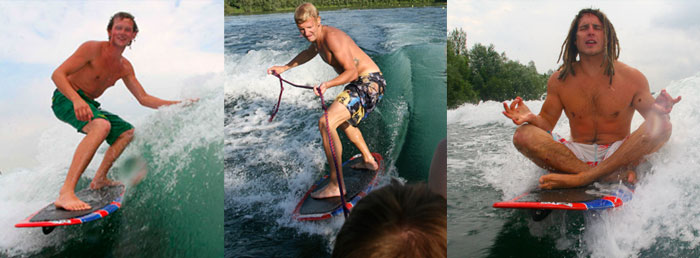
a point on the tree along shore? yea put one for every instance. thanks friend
(243, 7)
(482, 74)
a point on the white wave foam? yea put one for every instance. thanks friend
(662, 215)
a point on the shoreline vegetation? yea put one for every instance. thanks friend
(248, 7)
(482, 74)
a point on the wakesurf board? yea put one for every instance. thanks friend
(358, 183)
(104, 201)
(597, 196)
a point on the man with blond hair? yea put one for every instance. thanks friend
(365, 87)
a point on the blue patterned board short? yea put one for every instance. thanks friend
(361, 96)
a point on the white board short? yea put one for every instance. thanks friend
(592, 154)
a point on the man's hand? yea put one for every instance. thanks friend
(82, 110)
(556, 181)
(664, 103)
(189, 102)
(277, 69)
(518, 111)
(320, 88)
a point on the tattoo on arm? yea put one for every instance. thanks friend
(357, 62)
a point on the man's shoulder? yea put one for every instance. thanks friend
(554, 80)
(90, 49)
(629, 73)
(333, 33)
(127, 68)
(629, 79)
(330, 28)
(92, 45)
(625, 69)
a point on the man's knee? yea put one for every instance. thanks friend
(521, 138)
(658, 134)
(322, 123)
(127, 135)
(98, 126)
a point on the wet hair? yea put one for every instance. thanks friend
(122, 15)
(395, 221)
(305, 11)
(569, 51)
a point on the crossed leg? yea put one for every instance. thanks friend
(546, 153)
(645, 140)
(538, 146)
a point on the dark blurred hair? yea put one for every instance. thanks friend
(395, 221)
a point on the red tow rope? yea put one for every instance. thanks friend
(328, 131)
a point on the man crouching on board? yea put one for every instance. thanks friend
(599, 96)
(360, 97)
(82, 78)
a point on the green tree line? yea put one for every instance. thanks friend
(261, 6)
(483, 74)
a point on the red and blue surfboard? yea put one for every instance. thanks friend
(104, 201)
(593, 197)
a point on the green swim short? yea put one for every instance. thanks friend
(63, 109)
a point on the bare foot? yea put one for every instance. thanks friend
(327, 192)
(99, 183)
(371, 165)
(139, 175)
(629, 176)
(554, 181)
(69, 201)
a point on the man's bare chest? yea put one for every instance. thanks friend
(603, 102)
(326, 55)
(100, 74)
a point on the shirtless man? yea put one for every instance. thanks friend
(82, 78)
(360, 97)
(599, 96)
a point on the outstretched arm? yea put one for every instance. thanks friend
(301, 58)
(85, 53)
(137, 90)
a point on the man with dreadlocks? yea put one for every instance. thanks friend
(599, 95)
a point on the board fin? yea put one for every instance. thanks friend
(539, 215)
